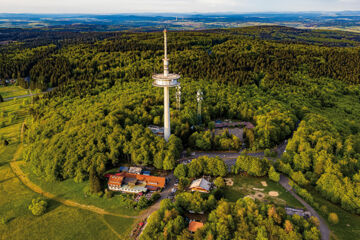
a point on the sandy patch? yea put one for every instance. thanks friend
(229, 181)
(273, 194)
(264, 183)
(250, 196)
(259, 195)
(258, 189)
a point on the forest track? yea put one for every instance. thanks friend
(324, 228)
(15, 166)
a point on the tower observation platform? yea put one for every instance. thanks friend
(166, 80)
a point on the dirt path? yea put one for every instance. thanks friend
(28, 95)
(15, 166)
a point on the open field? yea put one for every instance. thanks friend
(70, 190)
(59, 221)
(12, 91)
(243, 185)
(348, 227)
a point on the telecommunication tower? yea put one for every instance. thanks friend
(166, 80)
(178, 97)
(199, 99)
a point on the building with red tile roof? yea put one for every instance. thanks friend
(135, 183)
(194, 226)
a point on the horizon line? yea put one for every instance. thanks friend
(185, 13)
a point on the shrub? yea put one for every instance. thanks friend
(180, 171)
(219, 182)
(299, 178)
(142, 203)
(108, 193)
(314, 220)
(38, 206)
(333, 218)
(273, 175)
(4, 142)
(324, 209)
(3, 220)
(183, 183)
(95, 185)
(254, 166)
(155, 197)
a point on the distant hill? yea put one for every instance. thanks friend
(347, 20)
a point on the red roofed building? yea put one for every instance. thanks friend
(194, 226)
(135, 183)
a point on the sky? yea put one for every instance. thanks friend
(174, 6)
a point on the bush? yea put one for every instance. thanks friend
(270, 153)
(254, 166)
(183, 183)
(180, 171)
(3, 220)
(38, 207)
(324, 209)
(95, 185)
(155, 197)
(219, 182)
(299, 178)
(333, 218)
(4, 142)
(108, 193)
(142, 203)
(273, 175)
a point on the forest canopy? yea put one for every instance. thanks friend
(305, 90)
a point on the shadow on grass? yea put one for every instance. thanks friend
(6, 179)
(4, 163)
(52, 205)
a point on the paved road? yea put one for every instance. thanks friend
(164, 194)
(156, 206)
(230, 160)
(324, 228)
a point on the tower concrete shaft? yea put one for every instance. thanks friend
(167, 131)
(166, 80)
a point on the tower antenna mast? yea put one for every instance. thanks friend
(166, 80)
(199, 99)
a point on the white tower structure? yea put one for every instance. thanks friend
(178, 97)
(166, 80)
(199, 99)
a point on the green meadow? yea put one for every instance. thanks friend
(59, 221)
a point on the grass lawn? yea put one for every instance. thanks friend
(121, 225)
(243, 185)
(59, 221)
(71, 190)
(13, 91)
(348, 227)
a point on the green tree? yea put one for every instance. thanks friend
(38, 206)
(142, 203)
(180, 171)
(333, 218)
(273, 175)
(95, 185)
(219, 182)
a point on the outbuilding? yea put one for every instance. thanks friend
(200, 185)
